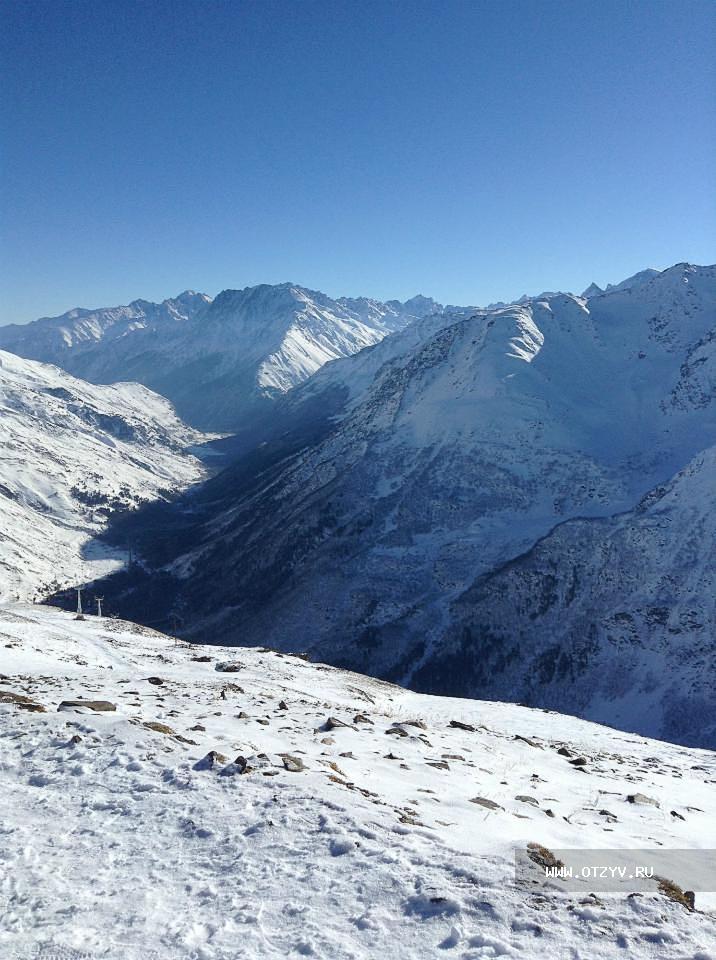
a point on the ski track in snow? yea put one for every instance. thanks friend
(117, 846)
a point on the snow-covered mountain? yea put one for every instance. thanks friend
(70, 454)
(215, 360)
(453, 458)
(165, 801)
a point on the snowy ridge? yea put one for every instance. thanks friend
(219, 360)
(336, 817)
(70, 454)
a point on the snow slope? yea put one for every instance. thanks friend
(70, 454)
(217, 361)
(122, 840)
(462, 450)
(613, 616)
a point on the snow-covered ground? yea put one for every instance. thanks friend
(393, 834)
(70, 454)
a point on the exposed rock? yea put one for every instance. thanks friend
(459, 725)
(488, 804)
(397, 731)
(292, 764)
(99, 706)
(579, 762)
(564, 752)
(531, 800)
(159, 727)
(530, 743)
(333, 722)
(198, 727)
(21, 701)
(641, 798)
(283, 705)
(202, 659)
(211, 760)
(542, 856)
(238, 767)
(155, 681)
(674, 892)
(361, 718)
(229, 666)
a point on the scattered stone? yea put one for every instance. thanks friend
(181, 739)
(242, 716)
(348, 754)
(530, 743)
(283, 705)
(292, 764)
(397, 731)
(611, 817)
(202, 659)
(542, 856)
(674, 892)
(579, 762)
(674, 813)
(459, 725)
(549, 813)
(488, 804)
(262, 721)
(564, 752)
(238, 767)
(391, 756)
(21, 701)
(333, 722)
(199, 728)
(155, 681)
(416, 723)
(439, 764)
(361, 718)
(212, 759)
(159, 727)
(642, 799)
(75, 739)
(98, 706)
(328, 740)
(531, 800)
(229, 666)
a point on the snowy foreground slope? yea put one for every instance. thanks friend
(70, 454)
(338, 817)
(217, 361)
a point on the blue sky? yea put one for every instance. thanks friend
(472, 151)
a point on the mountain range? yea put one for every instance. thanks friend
(455, 522)
(219, 360)
(511, 502)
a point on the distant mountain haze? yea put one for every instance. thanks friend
(216, 360)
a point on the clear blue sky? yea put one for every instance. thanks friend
(472, 151)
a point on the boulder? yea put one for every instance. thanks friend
(98, 706)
